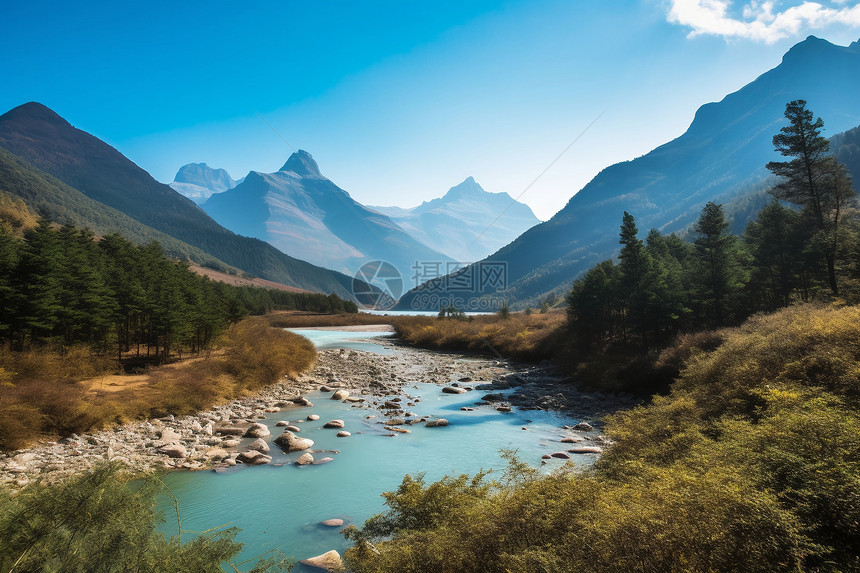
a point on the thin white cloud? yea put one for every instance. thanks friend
(759, 20)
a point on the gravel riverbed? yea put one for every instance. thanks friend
(218, 437)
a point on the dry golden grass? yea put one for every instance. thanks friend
(15, 216)
(299, 319)
(45, 393)
(520, 336)
(40, 393)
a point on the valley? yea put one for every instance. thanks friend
(256, 368)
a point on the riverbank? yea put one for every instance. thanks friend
(215, 437)
(50, 392)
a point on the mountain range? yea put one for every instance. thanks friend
(721, 157)
(89, 178)
(300, 211)
(198, 181)
(71, 176)
(467, 223)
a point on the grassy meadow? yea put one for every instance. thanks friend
(48, 393)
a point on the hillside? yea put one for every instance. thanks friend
(51, 198)
(846, 147)
(721, 157)
(234, 280)
(44, 139)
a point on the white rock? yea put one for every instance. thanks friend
(254, 458)
(292, 443)
(257, 430)
(329, 561)
(174, 451)
(586, 450)
(259, 445)
(170, 436)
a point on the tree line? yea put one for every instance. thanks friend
(63, 285)
(803, 246)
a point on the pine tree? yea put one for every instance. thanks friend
(636, 286)
(38, 284)
(775, 243)
(813, 179)
(668, 309)
(720, 275)
(9, 299)
(634, 260)
(592, 306)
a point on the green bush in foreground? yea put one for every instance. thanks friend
(98, 522)
(752, 463)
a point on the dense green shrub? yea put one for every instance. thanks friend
(98, 522)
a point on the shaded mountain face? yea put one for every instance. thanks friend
(63, 204)
(467, 224)
(198, 181)
(298, 210)
(721, 157)
(45, 140)
(846, 147)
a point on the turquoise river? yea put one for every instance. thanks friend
(281, 505)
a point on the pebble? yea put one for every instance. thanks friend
(586, 450)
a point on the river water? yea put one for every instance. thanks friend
(281, 505)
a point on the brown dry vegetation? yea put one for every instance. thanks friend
(46, 393)
(235, 280)
(520, 336)
(15, 216)
(300, 319)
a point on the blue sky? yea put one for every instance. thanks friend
(398, 101)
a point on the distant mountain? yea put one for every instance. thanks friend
(298, 210)
(721, 157)
(198, 181)
(45, 140)
(467, 224)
